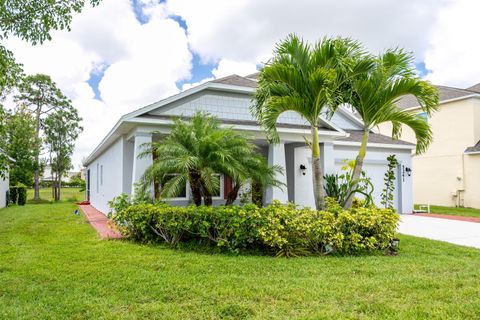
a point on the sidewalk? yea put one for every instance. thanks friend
(99, 222)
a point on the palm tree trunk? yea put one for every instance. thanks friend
(232, 195)
(257, 194)
(318, 191)
(196, 188)
(358, 166)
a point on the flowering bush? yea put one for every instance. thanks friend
(285, 230)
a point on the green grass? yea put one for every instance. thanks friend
(53, 266)
(455, 211)
(66, 194)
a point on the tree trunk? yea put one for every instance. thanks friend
(257, 194)
(358, 166)
(207, 197)
(196, 188)
(36, 187)
(232, 195)
(318, 191)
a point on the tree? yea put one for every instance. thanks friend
(61, 130)
(306, 78)
(374, 97)
(41, 96)
(22, 146)
(33, 22)
(198, 151)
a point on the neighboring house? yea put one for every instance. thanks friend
(114, 167)
(449, 172)
(48, 176)
(4, 183)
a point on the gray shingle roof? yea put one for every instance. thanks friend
(235, 121)
(236, 80)
(475, 88)
(475, 148)
(253, 75)
(446, 93)
(356, 136)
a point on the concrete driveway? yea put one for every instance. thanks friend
(457, 232)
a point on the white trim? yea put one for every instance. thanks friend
(473, 95)
(472, 152)
(375, 145)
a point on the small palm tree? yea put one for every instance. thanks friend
(197, 151)
(258, 175)
(306, 79)
(374, 97)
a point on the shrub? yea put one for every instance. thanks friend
(284, 230)
(21, 194)
(13, 194)
(232, 227)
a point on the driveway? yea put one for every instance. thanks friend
(457, 232)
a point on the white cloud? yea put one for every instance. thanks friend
(453, 55)
(227, 67)
(143, 63)
(246, 30)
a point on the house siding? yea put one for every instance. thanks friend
(110, 164)
(4, 186)
(444, 175)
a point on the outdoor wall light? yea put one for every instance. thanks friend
(408, 171)
(303, 169)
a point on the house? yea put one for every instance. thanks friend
(449, 172)
(48, 175)
(4, 183)
(113, 167)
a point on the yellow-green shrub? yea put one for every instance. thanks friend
(285, 230)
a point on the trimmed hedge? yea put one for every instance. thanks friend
(18, 194)
(284, 230)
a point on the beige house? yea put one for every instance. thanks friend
(449, 172)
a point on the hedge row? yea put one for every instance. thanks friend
(18, 194)
(285, 230)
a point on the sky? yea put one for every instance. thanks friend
(125, 54)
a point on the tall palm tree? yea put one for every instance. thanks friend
(197, 151)
(374, 97)
(306, 79)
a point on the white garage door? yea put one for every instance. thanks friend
(375, 170)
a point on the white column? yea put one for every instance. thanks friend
(140, 164)
(328, 158)
(276, 156)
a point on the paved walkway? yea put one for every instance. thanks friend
(99, 222)
(463, 233)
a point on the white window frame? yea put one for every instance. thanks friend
(98, 177)
(221, 188)
(101, 175)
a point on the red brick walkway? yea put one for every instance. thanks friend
(99, 222)
(446, 216)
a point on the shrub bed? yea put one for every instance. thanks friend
(285, 230)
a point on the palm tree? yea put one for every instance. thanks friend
(374, 97)
(197, 151)
(306, 79)
(259, 175)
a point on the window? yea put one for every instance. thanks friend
(183, 192)
(101, 175)
(98, 177)
(220, 187)
(423, 115)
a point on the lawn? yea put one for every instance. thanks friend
(465, 212)
(53, 266)
(66, 194)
